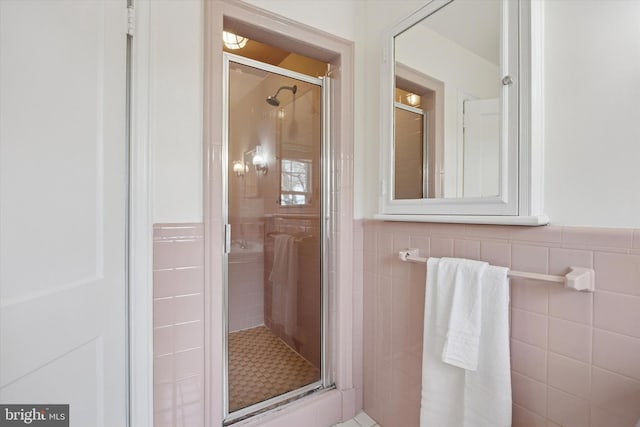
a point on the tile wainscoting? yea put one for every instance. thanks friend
(178, 325)
(575, 356)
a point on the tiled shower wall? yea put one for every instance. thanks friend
(178, 325)
(575, 357)
(246, 290)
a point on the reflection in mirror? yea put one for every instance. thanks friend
(417, 134)
(412, 180)
(447, 139)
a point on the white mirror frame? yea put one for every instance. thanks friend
(521, 175)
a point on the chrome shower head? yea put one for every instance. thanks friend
(273, 99)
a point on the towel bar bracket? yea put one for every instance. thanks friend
(578, 278)
(411, 254)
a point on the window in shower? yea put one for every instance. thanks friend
(295, 182)
(276, 280)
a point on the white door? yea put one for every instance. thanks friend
(63, 207)
(481, 148)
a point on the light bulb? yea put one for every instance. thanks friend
(259, 161)
(413, 99)
(233, 41)
(238, 168)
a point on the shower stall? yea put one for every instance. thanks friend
(276, 283)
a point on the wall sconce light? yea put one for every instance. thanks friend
(239, 168)
(259, 161)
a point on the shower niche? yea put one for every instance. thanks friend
(275, 253)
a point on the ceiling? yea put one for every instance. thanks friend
(272, 55)
(472, 24)
(260, 52)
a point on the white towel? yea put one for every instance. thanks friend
(281, 247)
(463, 333)
(487, 396)
(284, 283)
(456, 397)
(442, 384)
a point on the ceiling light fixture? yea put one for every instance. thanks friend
(233, 41)
(413, 99)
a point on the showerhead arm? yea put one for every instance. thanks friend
(293, 89)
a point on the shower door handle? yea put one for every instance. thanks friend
(227, 238)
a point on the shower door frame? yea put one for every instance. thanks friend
(326, 369)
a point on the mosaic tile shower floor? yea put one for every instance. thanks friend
(262, 366)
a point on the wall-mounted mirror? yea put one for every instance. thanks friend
(457, 113)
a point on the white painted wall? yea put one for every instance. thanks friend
(337, 17)
(592, 112)
(175, 120)
(592, 106)
(592, 60)
(176, 82)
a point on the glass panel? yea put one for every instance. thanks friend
(274, 341)
(295, 182)
(409, 153)
(459, 64)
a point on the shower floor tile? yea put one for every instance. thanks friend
(262, 366)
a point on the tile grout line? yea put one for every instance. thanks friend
(548, 327)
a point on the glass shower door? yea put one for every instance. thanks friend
(274, 285)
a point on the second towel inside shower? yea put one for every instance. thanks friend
(284, 280)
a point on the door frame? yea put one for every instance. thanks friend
(140, 227)
(286, 34)
(326, 377)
